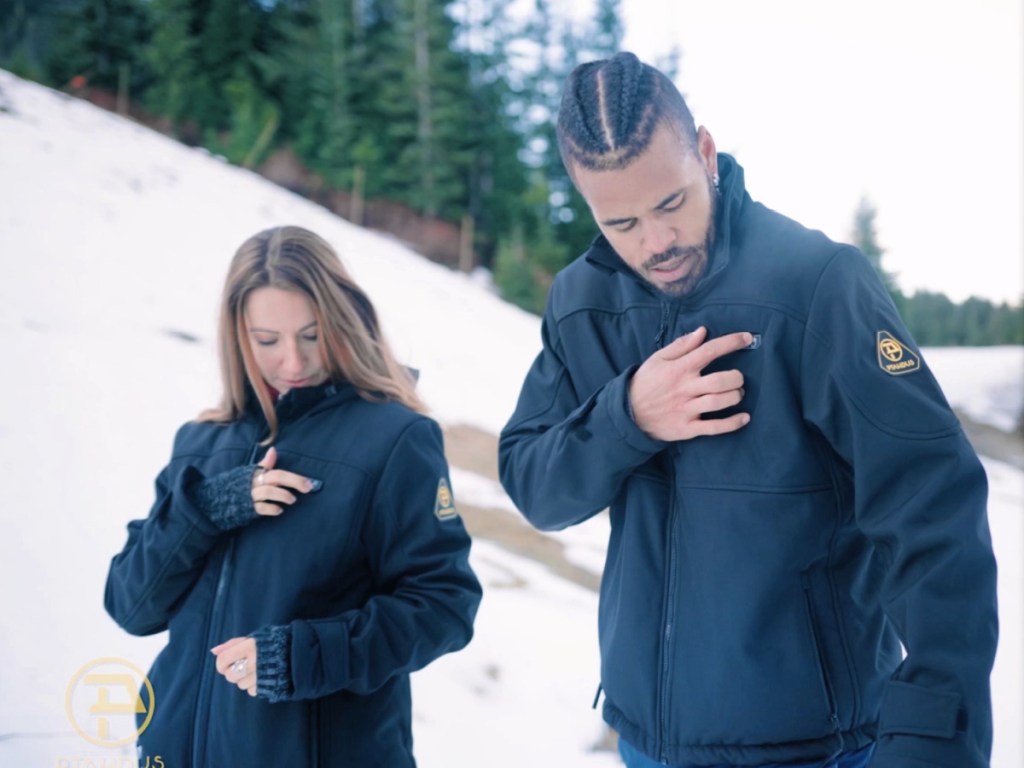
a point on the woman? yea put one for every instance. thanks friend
(303, 550)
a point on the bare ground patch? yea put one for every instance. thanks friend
(474, 450)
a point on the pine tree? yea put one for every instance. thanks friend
(323, 82)
(174, 59)
(606, 39)
(29, 31)
(423, 97)
(865, 238)
(496, 179)
(206, 56)
(226, 42)
(549, 195)
(514, 274)
(102, 41)
(930, 318)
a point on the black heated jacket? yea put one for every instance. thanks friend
(370, 575)
(758, 584)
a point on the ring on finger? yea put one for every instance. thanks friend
(258, 477)
(240, 667)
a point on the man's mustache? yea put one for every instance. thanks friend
(675, 252)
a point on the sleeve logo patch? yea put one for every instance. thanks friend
(444, 505)
(894, 357)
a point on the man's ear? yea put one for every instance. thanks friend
(707, 151)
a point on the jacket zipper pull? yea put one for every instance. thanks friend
(659, 340)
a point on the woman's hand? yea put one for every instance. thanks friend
(272, 489)
(236, 660)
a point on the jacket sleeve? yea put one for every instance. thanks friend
(562, 460)
(427, 594)
(162, 558)
(919, 495)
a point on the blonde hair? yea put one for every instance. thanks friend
(351, 344)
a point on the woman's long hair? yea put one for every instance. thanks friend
(351, 344)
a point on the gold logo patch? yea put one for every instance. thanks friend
(894, 357)
(444, 505)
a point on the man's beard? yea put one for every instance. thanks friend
(698, 255)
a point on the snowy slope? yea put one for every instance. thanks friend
(115, 241)
(982, 382)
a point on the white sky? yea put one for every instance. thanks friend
(918, 105)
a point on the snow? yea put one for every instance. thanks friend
(115, 242)
(983, 382)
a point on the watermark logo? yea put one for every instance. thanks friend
(103, 699)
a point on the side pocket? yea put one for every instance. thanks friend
(819, 653)
(316, 736)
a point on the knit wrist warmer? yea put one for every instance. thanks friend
(226, 498)
(273, 662)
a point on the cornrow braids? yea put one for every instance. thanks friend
(610, 109)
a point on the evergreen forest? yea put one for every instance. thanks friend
(431, 119)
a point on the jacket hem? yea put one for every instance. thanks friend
(753, 754)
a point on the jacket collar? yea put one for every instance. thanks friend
(730, 203)
(298, 402)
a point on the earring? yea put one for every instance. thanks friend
(714, 180)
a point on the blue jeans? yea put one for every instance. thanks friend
(634, 758)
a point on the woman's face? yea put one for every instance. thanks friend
(284, 337)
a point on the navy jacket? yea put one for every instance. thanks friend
(372, 581)
(758, 585)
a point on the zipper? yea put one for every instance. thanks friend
(318, 735)
(213, 637)
(666, 632)
(826, 681)
(659, 339)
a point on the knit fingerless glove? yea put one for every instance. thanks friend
(226, 498)
(273, 662)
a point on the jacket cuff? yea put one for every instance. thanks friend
(621, 413)
(226, 498)
(920, 726)
(273, 662)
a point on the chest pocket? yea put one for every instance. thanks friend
(776, 451)
(312, 552)
(749, 362)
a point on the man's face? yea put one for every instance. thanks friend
(658, 212)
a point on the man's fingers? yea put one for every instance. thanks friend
(684, 345)
(718, 402)
(721, 381)
(720, 426)
(721, 346)
(668, 393)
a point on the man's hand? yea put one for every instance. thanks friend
(668, 394)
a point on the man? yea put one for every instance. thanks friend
(800, 570)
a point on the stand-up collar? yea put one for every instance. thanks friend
(297, 402)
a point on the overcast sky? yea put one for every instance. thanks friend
(918, 105)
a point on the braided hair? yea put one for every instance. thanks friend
(610, 109)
